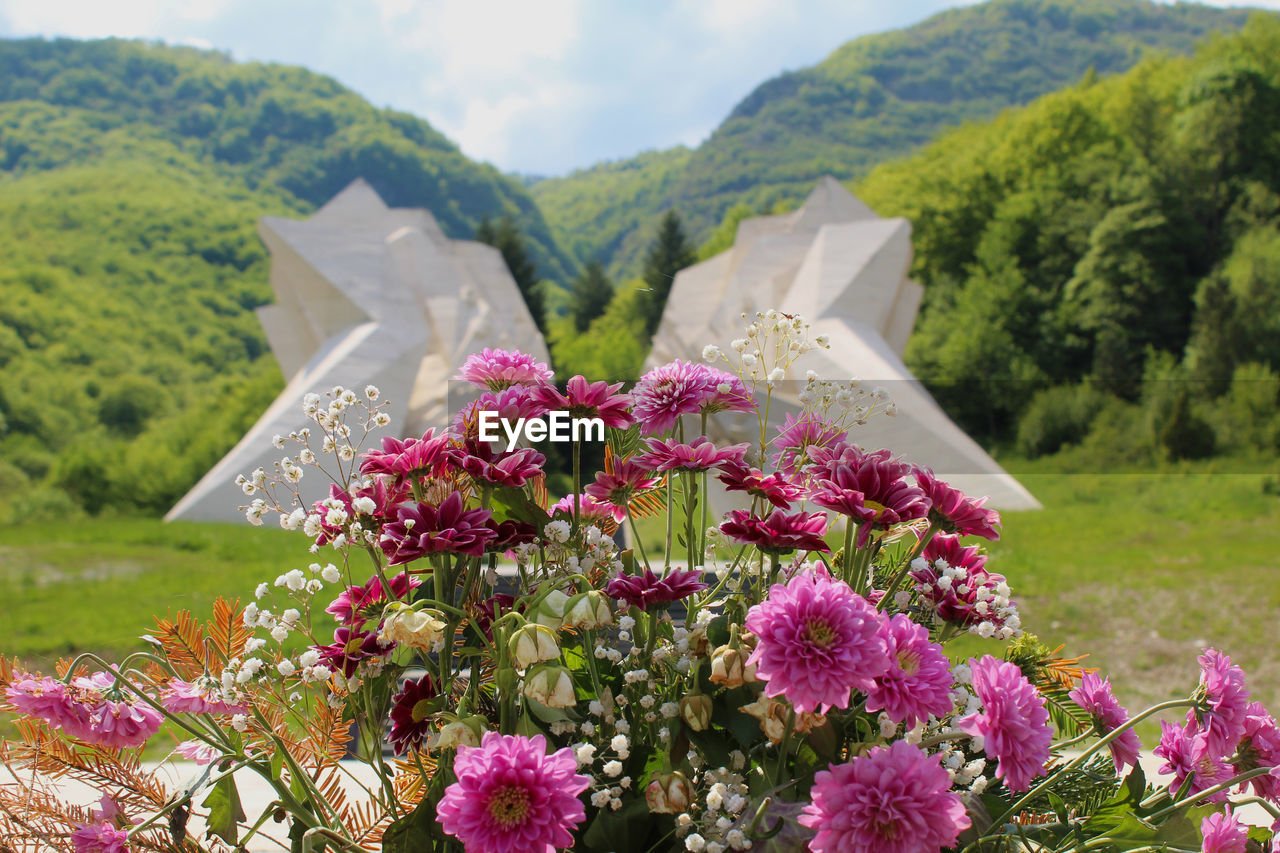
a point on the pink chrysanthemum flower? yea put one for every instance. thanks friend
(894, 799)
(818, 641)
(411, 714)
(1227, 699)
(778, 533)
(1013, 723)
(728, 395)
(496, 369)
(512, 796)
(426, 529)
(410, 457)
(665, 393)
(1223, 833)
(954, 511)
(582, 399)
(1185, 750)
(47, 699)
(648, 590)
(590, 510)
(870, 488)
(204, 696)
(798, 436)
(356, 604)
(775, 488)
(122, 724)
(496, 467)
(509, 404)
(1094, 696)
(88, 709)
(198, 751)
(698, 455)
(1260, 747)
(918, 681)
(105, 834)
(622, 482)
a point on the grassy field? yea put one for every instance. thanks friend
(1140, 570)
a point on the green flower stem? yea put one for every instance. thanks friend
(847, 555)
(576, 451)
(1087, 754)
(1209, 792)
(635, 534)
(690, 498)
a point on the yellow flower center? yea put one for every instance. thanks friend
(909, 661)
(878, 507)
(819, 633)
(420, 710)
(509, 806)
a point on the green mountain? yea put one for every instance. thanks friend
(131, 179)
(873, 99)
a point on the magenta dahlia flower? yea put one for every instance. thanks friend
(647, 590)
(1260, 747)
(582, 399)
(778, 533)
(954, 511)
(798, 435)
(775, 488)
(426, 529)
(893, 799)
(510, 404)
(47, 699)
(356, 604)
(665, 393)
(1186, 751)
(496, 369)
(1227, 701)
(484, 612)
(627, 479)
(510, 533)
(870, 488)
(512, 796)
(1223, 833)
(817, 642)
(1094, 696)
(90, 708)
(333, 519)
(122, 724)
(953, 580)
(204, 696)
(410, 457)
(499, 468)
(350, 648)
(698, 455)
(729, 394)
(411, 714)
(917, 682)
(589, 509)
(1013, 722)
(105, 834)
(198, 752)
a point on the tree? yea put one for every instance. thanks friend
(590, 296)
(669, 253)
(506, 238)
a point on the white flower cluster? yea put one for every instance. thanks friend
(717, 815)
(606, 744)
(566, 555)
(997, 613)
(845, 404)
(772, 343)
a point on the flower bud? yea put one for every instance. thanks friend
(533, 644)
(588, 610)
(695, 710)
(418, 629)
(729, 667)
(773, 716)
(550, 611)
(551, 685)
(668, 793)
(464, 732)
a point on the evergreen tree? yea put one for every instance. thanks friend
(590, 296)
(506, 238)
(669, 253)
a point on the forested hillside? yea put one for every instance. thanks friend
(876, 98)
(1107, 260)
(132, 177)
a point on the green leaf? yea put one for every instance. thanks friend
(413, 832)
(225, 810)
(1059, 807)
(625, 831)
(511, 502)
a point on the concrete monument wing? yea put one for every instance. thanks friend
(844, 269)
(367, 294)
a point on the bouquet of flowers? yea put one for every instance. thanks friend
(512, 679)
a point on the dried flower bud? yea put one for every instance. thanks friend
(551, 685)
(418, 629)
(729, 667)
(773, 716)
(550, 611)
(668, 793)
(695, 710)
(533, 644)
(464, 732)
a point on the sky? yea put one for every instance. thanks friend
(533, 86)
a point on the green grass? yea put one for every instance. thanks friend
(1139, 570)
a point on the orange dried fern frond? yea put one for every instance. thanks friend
(182, 639)
(227, 633)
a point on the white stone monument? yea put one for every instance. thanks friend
(844, 269)
(367, 294)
